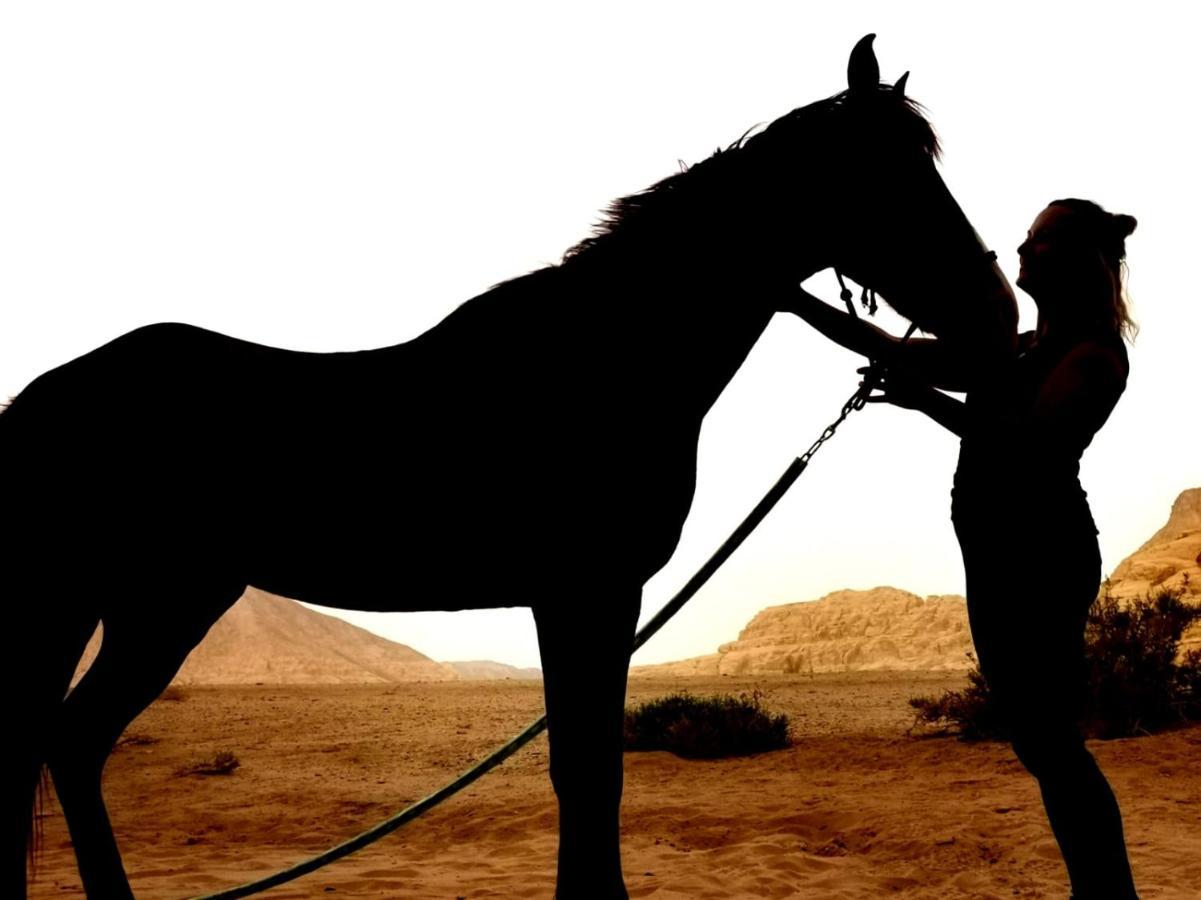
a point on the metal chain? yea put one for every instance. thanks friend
(856, 401)
(874, 374)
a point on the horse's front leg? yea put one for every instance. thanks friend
(585, 657)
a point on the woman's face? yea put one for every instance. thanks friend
(1047, 254)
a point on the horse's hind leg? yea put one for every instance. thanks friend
(585, 657)
(137, 659)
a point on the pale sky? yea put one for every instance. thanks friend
(332, 176)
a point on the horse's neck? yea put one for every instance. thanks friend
(680, 327)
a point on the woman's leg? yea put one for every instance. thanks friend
(1030, 641)
(1081, 808)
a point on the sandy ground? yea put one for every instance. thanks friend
(855, 809)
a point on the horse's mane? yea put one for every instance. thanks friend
(908, 125)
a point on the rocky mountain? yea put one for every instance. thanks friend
(268, 639)
(887, 628)
(881, 628)
(1170, 559)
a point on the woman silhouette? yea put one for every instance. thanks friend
(1029, 544)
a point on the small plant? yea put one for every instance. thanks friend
(135, 739)
(1136, 680)
(968, 712)
(706, 727)
(222, 763)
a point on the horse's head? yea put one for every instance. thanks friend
(881, 213)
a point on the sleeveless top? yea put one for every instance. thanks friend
(1006, 460)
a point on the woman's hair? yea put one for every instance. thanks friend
(1106, 233)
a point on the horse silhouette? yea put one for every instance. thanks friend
(536, 448)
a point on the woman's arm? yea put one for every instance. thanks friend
(926, 359)
(900, 390)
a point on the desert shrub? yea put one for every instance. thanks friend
(135, 739)
(1137, 681)
(706, 727)
(968, 712)
(223, 763)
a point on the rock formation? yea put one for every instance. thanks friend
(886, 628)
(882, 628)
(1170, 560)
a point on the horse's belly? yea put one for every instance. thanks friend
(467, 531)
(421, 563)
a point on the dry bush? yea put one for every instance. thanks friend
(1136, 681)
(706, 727)
(135, 739)
(223, 762)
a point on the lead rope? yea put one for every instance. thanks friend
(856, 401)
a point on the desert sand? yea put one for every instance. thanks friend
(855, 809)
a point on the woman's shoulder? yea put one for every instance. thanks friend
(1092, 350)
(1099, 357)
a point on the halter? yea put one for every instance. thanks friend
(868, 298)
(875, 372)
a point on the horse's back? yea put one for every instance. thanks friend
(505, 439)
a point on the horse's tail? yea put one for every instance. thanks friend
(44, 620)
(33, 835)
(24, 781)
(30, 782)
(39, 675)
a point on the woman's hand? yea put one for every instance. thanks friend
(904, 390)
(938, 364)
(897, 388)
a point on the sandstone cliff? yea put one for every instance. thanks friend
(886, 628)
(882, 628)
(1170, 559)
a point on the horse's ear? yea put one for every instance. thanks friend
(899, 87)
(863, 72)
